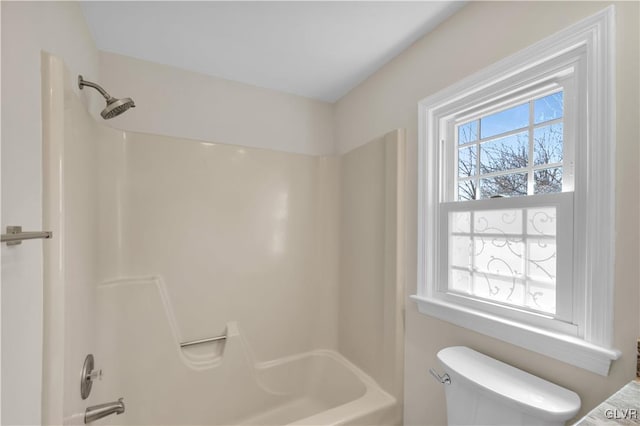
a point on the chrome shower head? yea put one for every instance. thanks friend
(114, 106)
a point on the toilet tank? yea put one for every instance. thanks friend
(485, 391)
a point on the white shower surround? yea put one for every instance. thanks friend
(220, 383)
(159, 240)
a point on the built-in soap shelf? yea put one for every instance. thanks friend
(208, 352)
(198, 354)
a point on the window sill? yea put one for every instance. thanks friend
(569, 349)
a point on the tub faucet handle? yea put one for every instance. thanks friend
(444, 379)
(95, 374)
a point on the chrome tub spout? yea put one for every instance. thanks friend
(103, 410)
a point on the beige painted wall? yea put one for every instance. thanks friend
(467, 42)
(185, 104)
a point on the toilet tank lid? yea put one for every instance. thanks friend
(530, 392)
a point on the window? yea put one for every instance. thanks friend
(516, 187)
(510, 249)
(514, 152)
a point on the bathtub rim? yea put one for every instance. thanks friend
(373, 400)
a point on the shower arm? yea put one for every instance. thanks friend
(82, 82)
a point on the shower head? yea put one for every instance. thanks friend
(114, 106)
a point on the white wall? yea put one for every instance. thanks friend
(467, 42)
(237, 235)
(234, 232)
(28, 28)
(371, 330)
(185, 104)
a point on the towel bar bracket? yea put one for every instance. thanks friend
(15, 236)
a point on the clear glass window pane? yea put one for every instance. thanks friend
(504, 121)
(511, 185)
(467, 190)
(548, 108)
(468, 132)
(467, 161)
(548, 146)
(548, 180)
(503, 154)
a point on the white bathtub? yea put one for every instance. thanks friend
(322, 388)
(315, 388)
(218, 383)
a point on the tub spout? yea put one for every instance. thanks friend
(103, 410)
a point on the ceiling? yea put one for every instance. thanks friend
(319, 50)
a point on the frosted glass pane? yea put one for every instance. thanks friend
(468, 132)
(541, 221)
(505, 255)
(548, 144)
(460, 281)
(548, 108)
(542, 259)
(460, 222)
(460, 251)
(541, 298)
(504, 154)
(507, 290)
(500, 256)
(504, 121)
(498, 221)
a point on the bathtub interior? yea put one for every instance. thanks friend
(176, 240)
(222, 382)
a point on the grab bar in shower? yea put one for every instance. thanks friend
(197, 342)
(15, 236)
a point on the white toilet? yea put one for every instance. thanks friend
(483, 391)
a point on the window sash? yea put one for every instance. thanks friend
(563, 318)
(564, 81)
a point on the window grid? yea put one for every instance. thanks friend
(531, 166)
(524, 277)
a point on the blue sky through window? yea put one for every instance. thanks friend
(504, 121)
(548, 108)
(501, 154)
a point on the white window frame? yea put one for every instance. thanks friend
(585, 52)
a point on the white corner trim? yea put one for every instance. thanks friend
(569, 349)
(594, 209)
